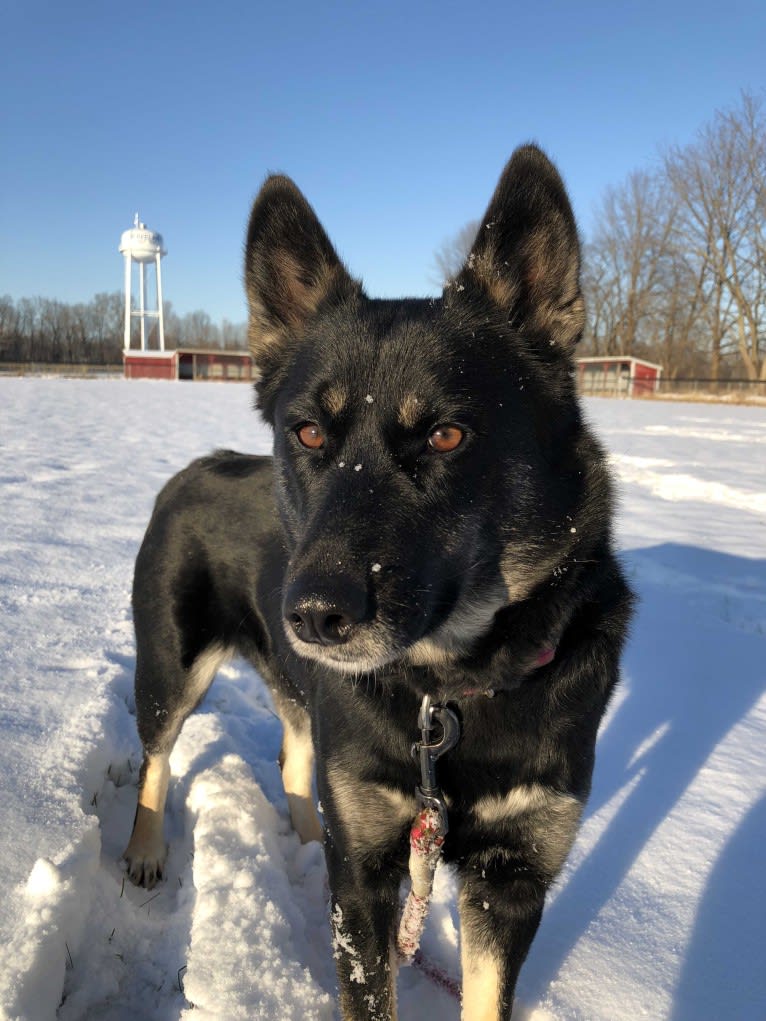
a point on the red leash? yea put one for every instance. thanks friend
(426, 839)
(438, 976)
(429, 830)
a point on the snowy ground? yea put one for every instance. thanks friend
(660, 911)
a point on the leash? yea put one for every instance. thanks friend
(437, 975)
(428, 829)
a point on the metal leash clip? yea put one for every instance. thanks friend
(428, 793)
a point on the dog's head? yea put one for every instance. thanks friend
(426, 451)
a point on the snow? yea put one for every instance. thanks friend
(659, 911)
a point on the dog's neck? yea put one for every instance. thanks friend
(522, 642)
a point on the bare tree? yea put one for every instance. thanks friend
(233, 335)
(106, 324)
(452, 253)
(720, 184)
(601, 300)
(627, 261)
(676, 267)
(9, 323)
(50, 331)
(198, 330)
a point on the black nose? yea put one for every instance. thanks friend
(325, 613)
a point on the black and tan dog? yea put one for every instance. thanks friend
(435, 520)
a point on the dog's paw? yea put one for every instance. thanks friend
(145, 864)
(142, 872)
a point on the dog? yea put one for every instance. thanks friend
(435, 521)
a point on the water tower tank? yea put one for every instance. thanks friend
(140, 243)
(144, 247)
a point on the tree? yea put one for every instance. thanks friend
(676, 267)
(627, 263)
(197, 330)
(9, 320)
(106, 316)
(720, 185)
(452, 253)
(46, 330)
(233, 335)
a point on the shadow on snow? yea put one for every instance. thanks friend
(694, 667)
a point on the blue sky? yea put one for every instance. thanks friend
(394, 119)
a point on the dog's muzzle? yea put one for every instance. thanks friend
(325, 612)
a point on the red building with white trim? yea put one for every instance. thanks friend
(189, 364)
(150, 364)
(617, 376)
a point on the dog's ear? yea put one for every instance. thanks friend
(291, 268)
(526, 256)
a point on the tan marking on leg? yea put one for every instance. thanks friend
(199, 677)
(202, 674)
(523, 798)
(552, 815)
(297, 760)
(481, 986)
(154, 786)
(481, 971)
(529, 797)
(147, 850)
(371, 813)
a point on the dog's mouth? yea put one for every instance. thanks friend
(368, 649)
(358, 627)
(374, 644)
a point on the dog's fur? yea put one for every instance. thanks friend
(361, 573)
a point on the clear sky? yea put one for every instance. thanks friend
(394, 119)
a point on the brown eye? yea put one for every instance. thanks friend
(445, 438)
(310, 435)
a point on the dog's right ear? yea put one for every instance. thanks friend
(291, 269)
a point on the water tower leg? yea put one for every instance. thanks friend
(126, 341)
(160, 310)
(142, 308)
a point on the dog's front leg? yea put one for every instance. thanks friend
(364, 909)
(366, 826)
(500, 910)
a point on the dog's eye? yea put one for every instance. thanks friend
(310, 435)
(445, 438)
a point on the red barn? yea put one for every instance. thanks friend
(618, 376)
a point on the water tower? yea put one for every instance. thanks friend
(144, 247)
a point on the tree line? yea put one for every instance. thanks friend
(675, 268)
(55, 332)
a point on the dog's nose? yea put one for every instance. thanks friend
(325, 617)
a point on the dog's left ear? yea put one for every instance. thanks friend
(526, 256)
(291, 269)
